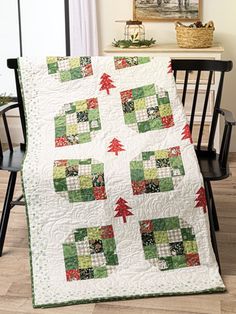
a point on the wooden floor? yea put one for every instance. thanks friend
(15, 288)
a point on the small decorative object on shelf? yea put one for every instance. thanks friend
(134, 30)
(134, 36)
(5, 99)
(195, 35)
(130, 44)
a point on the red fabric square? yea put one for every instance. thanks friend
(126, 96)
(88, 70)
(192, 259)
(167, 121)
(107, 232)
(92, 103)
(146, 226)
(61, 141)
(121, 63)
(138, 187)
(99, 193)
(72, 274)
(174, 152)
(59, 163)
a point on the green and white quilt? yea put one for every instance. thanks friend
(115, 200)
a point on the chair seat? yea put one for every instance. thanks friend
(211, 167)
(12, 161)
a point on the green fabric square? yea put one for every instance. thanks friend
(172, 223)
(71, 262)
(86, 182)
(95, 125)
(80, 234)
(52, 68)
(149, 90)
(137, 174)
(163, 100)
(155, 124)
(159, 224)
(187, 234)
(179, 261)
(60, 131)
(65, 76)
(100, 272)
(177, 163)
(75, 196)
(167, 261)
(84, 137)
(138, 93)
(144, 126)
(161, 237)
(59, 172)
(81, 105)
(73, 162)
(147, 155)
(60, 121)
(150, 174)
(111, 259)
(109, 245)
(60, 185)
(150, 251)
(139, 104)
(190, 247)
(69, 250)
(162, 154)
(76, 73)
(85, 161)
(97, 169)
(87, 195)
(71, 110)
(136, 165)
(84, 261)
(165, 110)
(166, 184)
(130, 117)
(93, 114)
(94, 233)
(142, 60)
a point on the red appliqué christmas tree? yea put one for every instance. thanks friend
(122, 209)
(106, 83)
(201, 199)
(115, 146)
(187, 134)
(169, 68)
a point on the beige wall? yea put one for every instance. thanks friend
(223, 14)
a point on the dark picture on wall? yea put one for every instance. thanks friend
(167, 10)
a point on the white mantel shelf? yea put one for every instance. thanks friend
(164, 48)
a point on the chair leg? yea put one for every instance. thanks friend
(211, 221)
(7, 208)
(214, 213)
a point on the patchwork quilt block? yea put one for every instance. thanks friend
(157, 171)
(79, 180)
(147, 108)
(77, 122)
(65, 69)
(90, 253)
(115, 201)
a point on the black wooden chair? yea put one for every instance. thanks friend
(214, 166)
(11, 158)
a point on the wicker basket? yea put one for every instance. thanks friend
(188, 37)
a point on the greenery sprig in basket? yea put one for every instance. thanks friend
(133, 43)
(5, 99)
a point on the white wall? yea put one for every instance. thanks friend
(221, 12)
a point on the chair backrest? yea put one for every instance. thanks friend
(13, 64)
(197, 76)
(200, 77)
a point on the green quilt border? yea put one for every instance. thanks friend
(95, 300)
